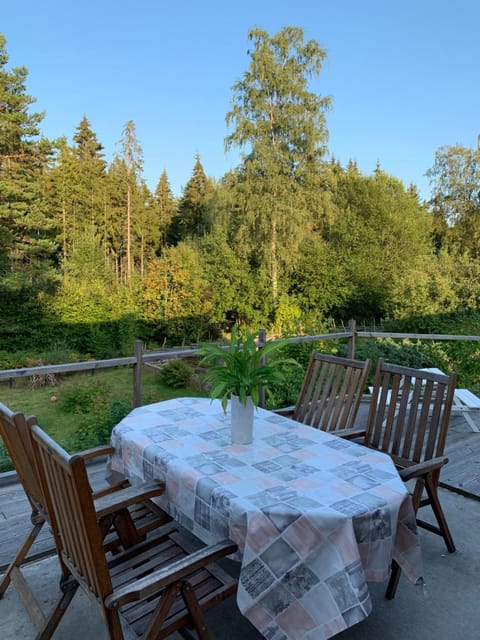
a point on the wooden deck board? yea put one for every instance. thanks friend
(15, 522)
(462, 473)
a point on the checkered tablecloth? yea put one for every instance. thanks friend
(315, 516)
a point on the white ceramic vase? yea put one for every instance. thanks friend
(242, 420)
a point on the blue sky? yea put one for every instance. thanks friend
(403, 76)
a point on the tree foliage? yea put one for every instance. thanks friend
(282, 126)
(455, 178)
(27, 232)
(382, 237)
(165, 208)
(288, 239)
(192, 217)
(175, 295)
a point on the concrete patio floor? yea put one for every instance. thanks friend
(448, 608)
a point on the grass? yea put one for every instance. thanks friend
(86, 406)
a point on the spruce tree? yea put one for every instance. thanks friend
(27, 245)
(165, 207)
(192, 218)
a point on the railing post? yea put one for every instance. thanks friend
(137, 373)
(352, 327)
(262, 339)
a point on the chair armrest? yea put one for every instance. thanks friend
(422, 468)
(123, 498)
(158, 580)
(122, 484)
(95, 452)
(349, 434)
(285, 411)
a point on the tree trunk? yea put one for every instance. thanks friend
(274, 266)
(129, 239)
(64, 224)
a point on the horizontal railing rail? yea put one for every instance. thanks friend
(70, 367)
(142, 357)
(416, 336)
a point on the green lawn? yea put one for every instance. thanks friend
(86, 406)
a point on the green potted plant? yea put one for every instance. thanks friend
(238, 371)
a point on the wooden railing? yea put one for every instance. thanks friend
(140, 357)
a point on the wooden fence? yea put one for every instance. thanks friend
(140, 357)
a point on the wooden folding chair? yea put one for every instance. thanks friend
(408, 419)
(152, 589)
(126, 513)
(331, 392)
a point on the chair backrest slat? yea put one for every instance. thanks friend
(322, 404)
(331, 392)
(409, 412)
(438, 400)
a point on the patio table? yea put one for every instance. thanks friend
(315, 517)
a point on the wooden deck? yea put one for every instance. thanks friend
(15, 523)
(461, 474)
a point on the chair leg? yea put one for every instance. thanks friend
(20, 557)
(396, 570)
(417, 494)
(393, 581)
(161, 612)
(430, 486)
(439, 515)
(125, 528)
(29, 601)
(196, 612)
(14, 575)
(69, 588)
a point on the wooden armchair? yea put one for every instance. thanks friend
(408, 419)
(126, 513)
(331, 392)
(149, 590)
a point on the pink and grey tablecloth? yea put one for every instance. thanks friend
(315, 516)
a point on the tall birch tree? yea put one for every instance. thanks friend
(455, 203)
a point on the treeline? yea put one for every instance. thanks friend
(90, 257)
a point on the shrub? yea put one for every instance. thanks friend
(176, 374)
(5, 462)
(404, 352)
(285, 394)
(97, 426)
(84, 396)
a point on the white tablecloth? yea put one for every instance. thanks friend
(315, 516)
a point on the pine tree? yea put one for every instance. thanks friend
(115, 216)
(87, 151)
(192, 218)
(27, 246)
(77, 189)
(165, 207)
